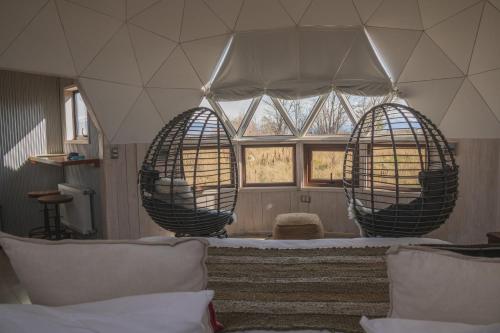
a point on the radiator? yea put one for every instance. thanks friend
(78, 214)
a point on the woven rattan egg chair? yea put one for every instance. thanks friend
(400, 176)
(189, 177)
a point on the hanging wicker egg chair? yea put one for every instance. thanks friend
(189, 177)
(400, 176)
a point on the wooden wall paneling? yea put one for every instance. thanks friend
(132, 190)
(123, 216)
(273, 204)
(248, 211)
(111, 202)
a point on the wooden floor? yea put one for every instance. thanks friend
(10, 290)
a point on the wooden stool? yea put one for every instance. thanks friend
(55, 200)
(298, 226)
(44, 231)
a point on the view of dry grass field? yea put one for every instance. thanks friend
(327, 165)
(408, 166)
(269, 164)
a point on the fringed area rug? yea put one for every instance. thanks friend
(273, 289)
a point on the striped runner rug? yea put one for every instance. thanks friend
(273, 289)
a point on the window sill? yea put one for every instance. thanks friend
(77, 142)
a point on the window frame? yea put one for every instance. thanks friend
(308, 152)
(244, 165)
(71, 91)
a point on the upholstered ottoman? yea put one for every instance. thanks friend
(297, 226)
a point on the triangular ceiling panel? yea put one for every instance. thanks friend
(463, 27)
(171, 102)
(176, 72)
(263, 14)
(204, 55)
(226, 10)
(331, 13)
(487, 83)
(295, 8)
(435, 11)
(15, 16)
(163, 18)
(469, 116)
(496, 3)
(428, 62)
(431, 97)
(151, 50)
(366, 8)
(116, 61)
(115, 8)
(199, 21)
(267, 121)
(110, 102)
(134, 7)
(402, 14)
(141, 124)
(394, 47)
(486, 54)
(87, 31)
(41, 47)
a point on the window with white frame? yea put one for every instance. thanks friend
(75, 116)
(321, 125)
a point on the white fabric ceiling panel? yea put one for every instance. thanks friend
(402, 14)
(163, 18)
(366, 8)
(463, 27)
(262, 14)
(295, 8)
(199, 21)
(226, 10)
(435, 11)
(431, 97)
(488, 85)
(141, 124)
(496, 3)
(151, 50)
(171, 102)
(469, 116)
(486, 53)
(116, 62)
(394, 47)
(204, 55)
(115, 8)
(331, 13)
(134, 7)
(15, 16)
(428, 62)
(176, 72)
(41, 47)
(110, 102)
(87, 31)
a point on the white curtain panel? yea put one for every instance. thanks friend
(299, 62)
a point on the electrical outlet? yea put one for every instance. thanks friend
(305, 198)
(114, 153)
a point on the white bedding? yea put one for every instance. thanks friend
(312, 244)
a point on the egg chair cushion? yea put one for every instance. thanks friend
(182, 192)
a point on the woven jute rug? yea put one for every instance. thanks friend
(274, 289)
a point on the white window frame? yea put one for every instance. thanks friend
(77, 139)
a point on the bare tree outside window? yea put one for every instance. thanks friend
(332, 118)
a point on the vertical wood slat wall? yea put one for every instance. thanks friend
(30, 124)
(477, 211)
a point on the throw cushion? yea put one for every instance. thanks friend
(432, 284)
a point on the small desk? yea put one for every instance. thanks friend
(61, 160)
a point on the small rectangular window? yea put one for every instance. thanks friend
(324, 165)
(269, 165)
(76, 116)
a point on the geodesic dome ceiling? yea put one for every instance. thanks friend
(140, 62)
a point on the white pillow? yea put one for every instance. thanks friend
(154, 313)
(431, 284)
(72, 272)
(390, 325)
